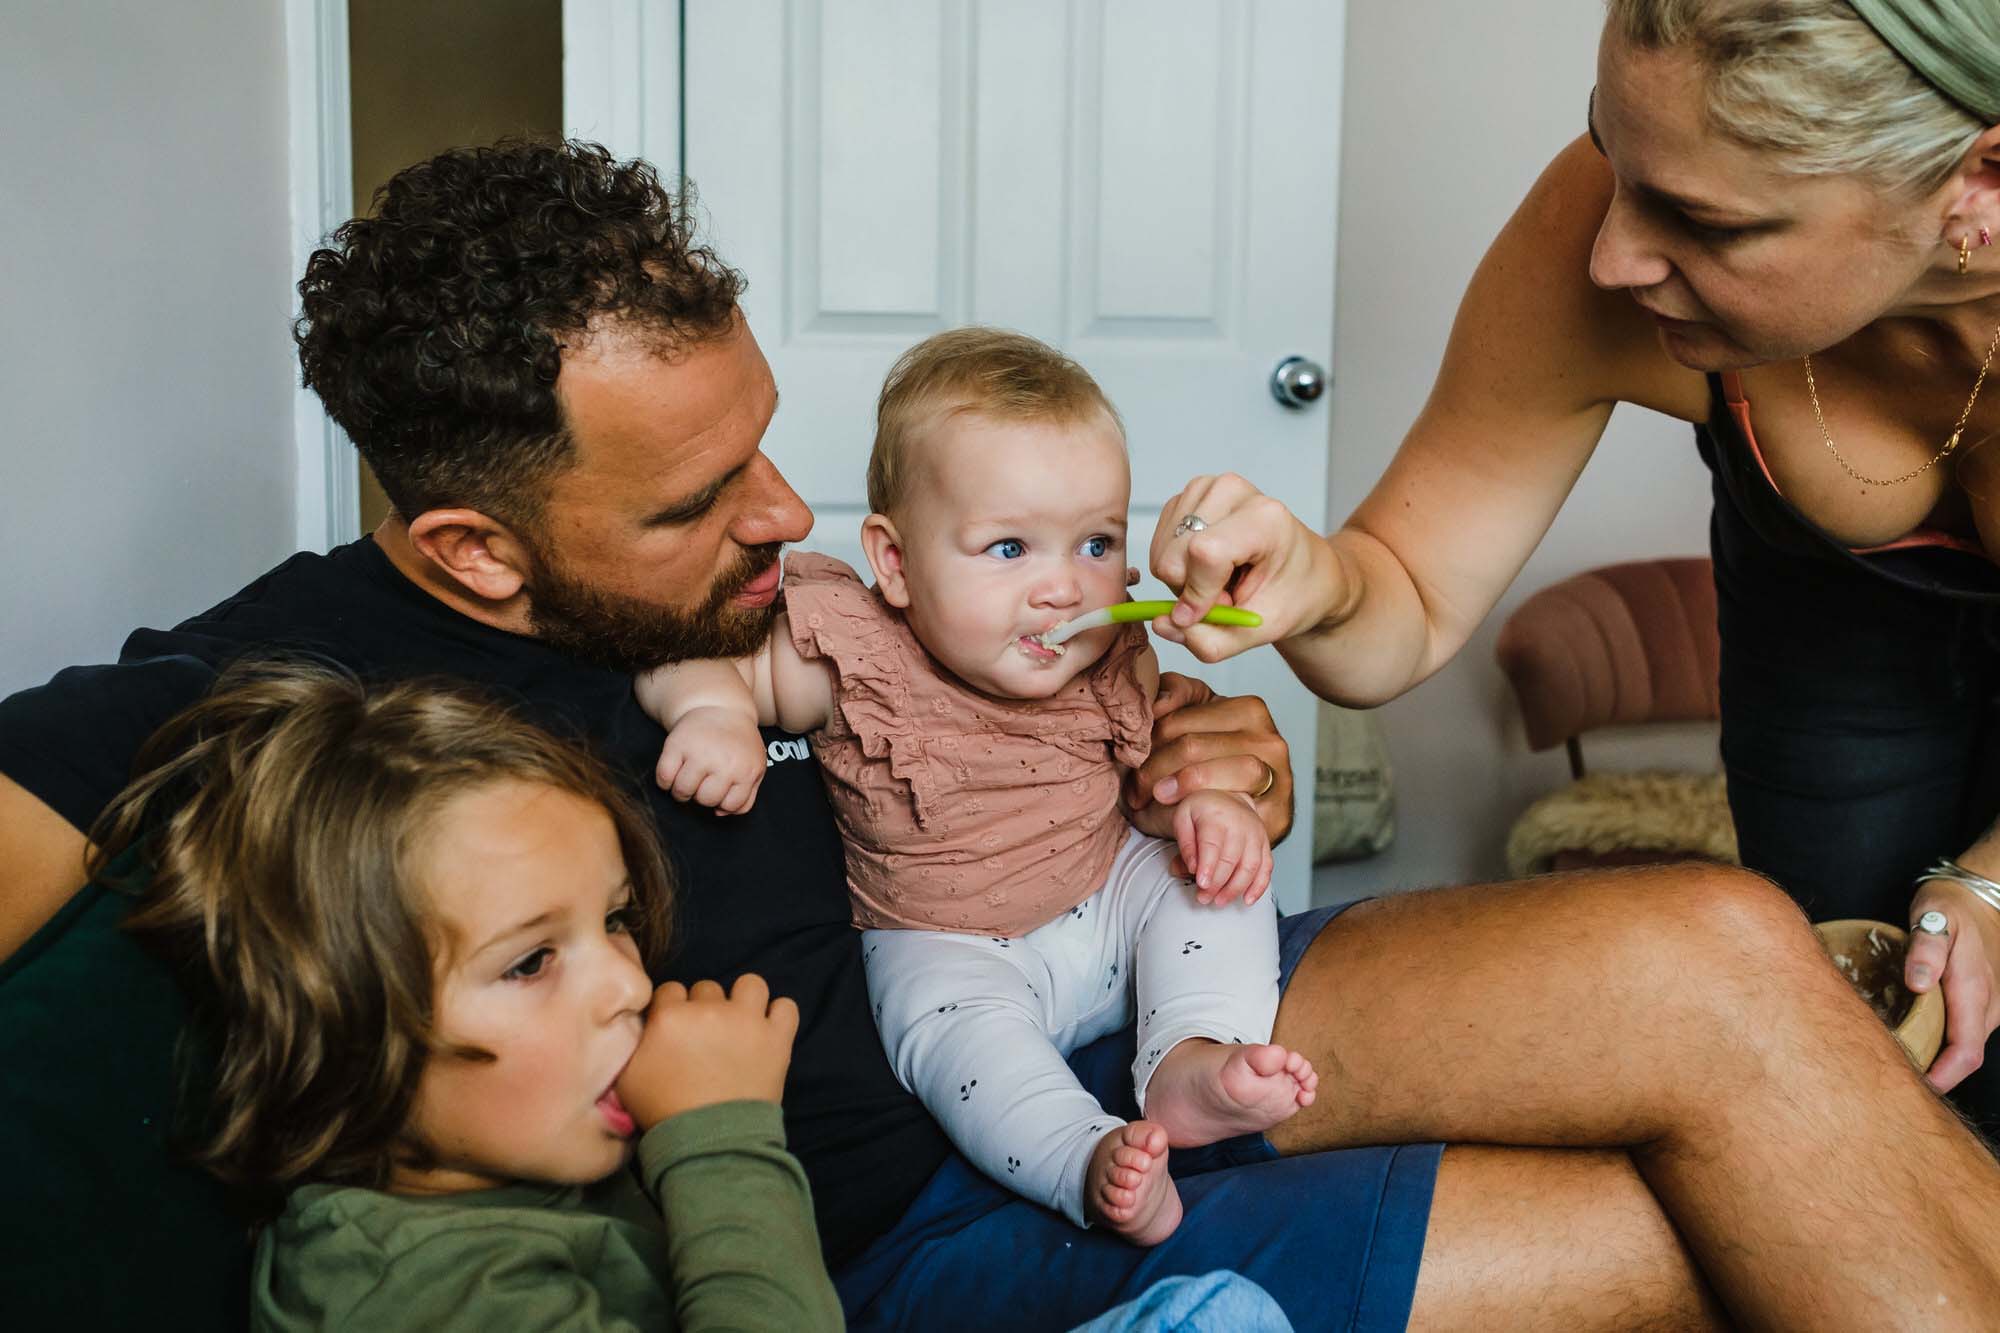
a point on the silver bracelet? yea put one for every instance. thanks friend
(1981, 887)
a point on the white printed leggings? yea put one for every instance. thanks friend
(978, 1026)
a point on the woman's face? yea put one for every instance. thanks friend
(1739, 262)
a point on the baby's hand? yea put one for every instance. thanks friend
(714, 757)
(701, 1047)
(1223, 842)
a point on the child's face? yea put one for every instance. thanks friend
(1009, 528)
(527, 887)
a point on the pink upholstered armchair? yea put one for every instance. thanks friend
(1622, 645)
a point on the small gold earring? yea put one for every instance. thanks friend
(1964, 254)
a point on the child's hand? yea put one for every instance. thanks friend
(701, 1047)
(714, 757)
(1223, 842)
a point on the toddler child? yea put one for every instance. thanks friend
(421, 927)
(975, 774)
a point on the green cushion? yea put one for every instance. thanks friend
(103, 1227)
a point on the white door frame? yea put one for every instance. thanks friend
(607, 46)
(327, 488)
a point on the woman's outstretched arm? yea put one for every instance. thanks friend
(1537, 358)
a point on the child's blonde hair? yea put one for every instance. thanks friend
(995, 373)
(279, 820)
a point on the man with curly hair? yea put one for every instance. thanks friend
(555, 385)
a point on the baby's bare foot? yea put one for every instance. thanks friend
(1205, 1091)
(1128, 1189)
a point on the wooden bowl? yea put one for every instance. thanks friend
(1870, 954)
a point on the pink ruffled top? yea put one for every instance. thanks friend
(960, 811)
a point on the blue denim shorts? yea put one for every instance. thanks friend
(1335, 1237)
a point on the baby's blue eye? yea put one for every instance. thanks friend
(1008, 548)
(1096, 547)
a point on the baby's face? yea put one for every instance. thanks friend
(1009, 528)
(529, 887)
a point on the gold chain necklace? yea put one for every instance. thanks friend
(1812, 391)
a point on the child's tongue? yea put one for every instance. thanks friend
(615, 1114)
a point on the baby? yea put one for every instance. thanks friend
(1010, 911)
(422, 925)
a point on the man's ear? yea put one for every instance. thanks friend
(480, 554)
(883, 546)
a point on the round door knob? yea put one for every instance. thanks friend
(1298, 381)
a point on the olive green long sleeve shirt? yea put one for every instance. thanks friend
(738, 1249)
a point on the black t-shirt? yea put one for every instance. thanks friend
(763, 892)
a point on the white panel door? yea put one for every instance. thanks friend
(1149, 185)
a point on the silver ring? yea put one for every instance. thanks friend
(1933, 923)
(1192, 523)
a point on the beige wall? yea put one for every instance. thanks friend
(1451, 111)
(146, 460)
(438, 74)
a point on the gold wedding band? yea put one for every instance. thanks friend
(1270, 781)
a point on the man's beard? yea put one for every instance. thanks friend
(630, 635)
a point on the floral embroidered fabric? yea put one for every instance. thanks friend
(960, 811)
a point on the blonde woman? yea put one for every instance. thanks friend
(1779, 228)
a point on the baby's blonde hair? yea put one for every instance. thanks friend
(994, 373)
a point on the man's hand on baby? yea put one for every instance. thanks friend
(1203, 742)
(702, 1046)
(1223, 844)
(713, 757)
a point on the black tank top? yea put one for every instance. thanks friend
(1748, 508)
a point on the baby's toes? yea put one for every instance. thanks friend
(1268, 1060)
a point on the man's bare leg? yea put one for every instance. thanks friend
(1687, 1015)
(1555, 1238)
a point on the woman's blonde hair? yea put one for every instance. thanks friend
(275, 827)
(1810, 81)
(995, 373)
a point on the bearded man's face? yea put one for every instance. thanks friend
(661, 541)
(631, 634)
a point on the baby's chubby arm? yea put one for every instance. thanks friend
(714, 754)
(712, 708)
(1222, 839)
